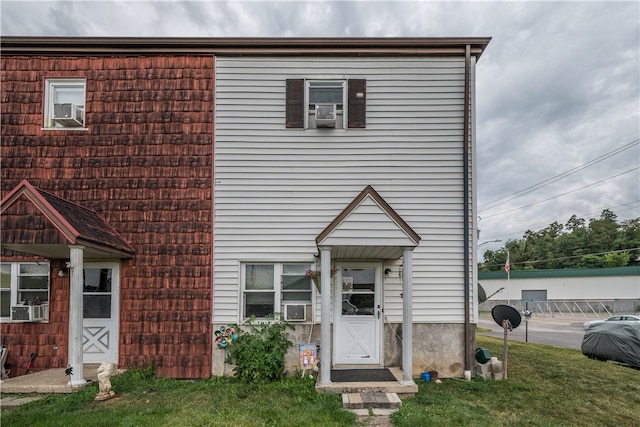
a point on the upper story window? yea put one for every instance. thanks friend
(21, 283)
(64, 103)
(269, 287)
(326, 103)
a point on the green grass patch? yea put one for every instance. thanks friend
(547, 386)
(146, 401)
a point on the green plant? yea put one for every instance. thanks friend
(259, 351)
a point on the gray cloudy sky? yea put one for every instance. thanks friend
(557, 88)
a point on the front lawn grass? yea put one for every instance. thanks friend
(143, 400)
(546, 386)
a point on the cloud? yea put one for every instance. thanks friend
(557, 87)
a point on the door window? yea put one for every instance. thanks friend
(358, 291)
(97, 293)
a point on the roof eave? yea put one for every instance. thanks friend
(363, 46)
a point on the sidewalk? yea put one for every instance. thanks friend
(13, 401)
(19, 390)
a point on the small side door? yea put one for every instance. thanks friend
(100, 317)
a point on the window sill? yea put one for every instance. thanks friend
(327, 129)
(7, 320)
(66, 128)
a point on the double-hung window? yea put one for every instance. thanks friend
(325, 104)
(320, 103)
(64, 103)
(22, 283)
(267, 287)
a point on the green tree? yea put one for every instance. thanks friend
(617, 259)
(575, 223)
(576, 244)
(494, 260)
(629, 236)
(603, 232)
(591, 261)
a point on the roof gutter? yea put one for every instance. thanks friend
(364, 46)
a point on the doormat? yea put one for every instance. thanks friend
(361, 375)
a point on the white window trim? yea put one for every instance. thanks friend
(278, 268)
(339, 113)
(15, 269)
(50, 85)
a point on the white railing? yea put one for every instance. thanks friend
(582, 308)
(569, 308)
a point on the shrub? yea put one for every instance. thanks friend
(259, 351)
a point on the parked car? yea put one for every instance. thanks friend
(621, 318)
(613, 341)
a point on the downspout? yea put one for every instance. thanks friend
(465, 171)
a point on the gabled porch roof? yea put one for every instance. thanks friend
(37, 222)
(368, 228)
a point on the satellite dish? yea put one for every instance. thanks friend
(506, 312)
(482, 295)
(508, 318)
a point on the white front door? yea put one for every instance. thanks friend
(358, 313)
(100, 312)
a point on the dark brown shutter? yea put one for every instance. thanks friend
(357, 91)
(295, 103)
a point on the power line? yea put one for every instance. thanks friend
(560, 258)
(546, 182)
(563, 194)
(619, 210)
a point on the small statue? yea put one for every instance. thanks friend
(105, 371)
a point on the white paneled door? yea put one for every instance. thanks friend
(100, 312)
(358, 314)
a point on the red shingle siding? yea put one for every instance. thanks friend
(24, 223)
(144, 165)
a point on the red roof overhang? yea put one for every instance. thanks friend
(76, 225)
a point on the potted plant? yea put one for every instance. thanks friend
(315, 276)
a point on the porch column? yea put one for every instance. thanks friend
(75, 315)
(325, 316)
(407, 317)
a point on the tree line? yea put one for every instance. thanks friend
(601, 242)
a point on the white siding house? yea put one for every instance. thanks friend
(378, 202)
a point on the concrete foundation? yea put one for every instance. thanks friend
(436, 347)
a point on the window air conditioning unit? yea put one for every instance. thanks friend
(295, 312)
(68, 114)
(325, 115)
(28, 313)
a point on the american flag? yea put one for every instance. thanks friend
(507, 267)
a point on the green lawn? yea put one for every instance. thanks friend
(547, 386)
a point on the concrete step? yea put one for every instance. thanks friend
(371, 400)
(13, 401)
